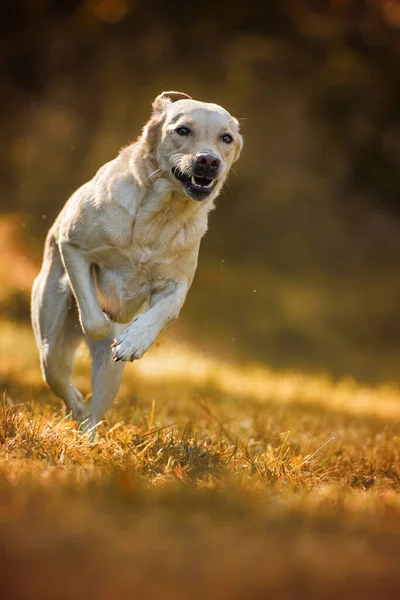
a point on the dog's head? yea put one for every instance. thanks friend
(194, 143)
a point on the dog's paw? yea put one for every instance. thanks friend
(78, 412)
(98, 327)
(133, 343)
(89, 428)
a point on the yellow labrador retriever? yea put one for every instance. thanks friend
(129, 240)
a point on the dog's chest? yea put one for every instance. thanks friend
(155, 255)
(164, 238)
(127, 276)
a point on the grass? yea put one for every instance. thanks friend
(208, 479)
(205, 480)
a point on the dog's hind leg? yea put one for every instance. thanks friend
(57, 330)
(106, 377)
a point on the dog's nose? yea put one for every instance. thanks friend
(207, 162)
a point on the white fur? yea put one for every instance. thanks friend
(126, 240)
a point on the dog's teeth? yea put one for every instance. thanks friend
(201, 184)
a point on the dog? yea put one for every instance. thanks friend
(126, 241)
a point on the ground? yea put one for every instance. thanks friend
(207, 479)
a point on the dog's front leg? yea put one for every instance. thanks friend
(94, 322)
(137, 339)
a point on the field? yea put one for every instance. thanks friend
(208, 479)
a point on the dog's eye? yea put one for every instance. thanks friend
(228, 139)
(182, 131)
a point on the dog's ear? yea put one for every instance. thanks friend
(239, 140)
(166, 98)
(239, 148)
(151, 129)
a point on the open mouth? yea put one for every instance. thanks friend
(196, 187)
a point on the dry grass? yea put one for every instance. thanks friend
(207, 480)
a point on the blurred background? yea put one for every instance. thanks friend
(300, 267)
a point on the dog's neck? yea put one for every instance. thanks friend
(159, 198)
(163, 205)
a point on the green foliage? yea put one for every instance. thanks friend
(308, 211)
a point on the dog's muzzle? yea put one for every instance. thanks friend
(202, 178)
